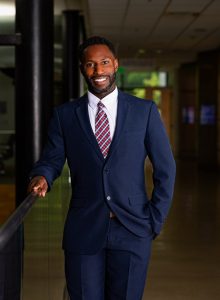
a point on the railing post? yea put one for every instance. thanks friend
(71, 40)
(34, 84)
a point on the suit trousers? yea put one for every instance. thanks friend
(117, 272)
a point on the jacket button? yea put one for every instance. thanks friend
(106, 171)
(108, 198)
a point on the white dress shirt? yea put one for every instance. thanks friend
(111, 103)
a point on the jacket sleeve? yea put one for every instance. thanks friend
(53, 156)
(164, 168)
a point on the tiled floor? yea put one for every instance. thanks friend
(185, 262)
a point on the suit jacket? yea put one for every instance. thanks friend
(116, 183)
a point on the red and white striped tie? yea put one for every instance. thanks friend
(102, 130)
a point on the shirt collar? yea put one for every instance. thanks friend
(108, 100)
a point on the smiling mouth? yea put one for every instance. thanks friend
(100, 79)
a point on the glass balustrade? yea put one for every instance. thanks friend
(35, 250)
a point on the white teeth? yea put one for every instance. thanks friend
(100, 79)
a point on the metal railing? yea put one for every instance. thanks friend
(14, 221)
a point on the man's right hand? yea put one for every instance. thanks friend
(38, 185)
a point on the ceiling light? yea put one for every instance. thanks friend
(7, 10)
(141, 51)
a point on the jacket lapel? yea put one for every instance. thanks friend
(83, 116)
(122, 113)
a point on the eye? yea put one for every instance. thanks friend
(90, 65)
(105, 62)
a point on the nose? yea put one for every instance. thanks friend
(98, 69)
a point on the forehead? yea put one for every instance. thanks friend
(97, 52)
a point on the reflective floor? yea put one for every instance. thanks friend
(185, 262)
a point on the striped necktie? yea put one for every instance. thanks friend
(102, 130)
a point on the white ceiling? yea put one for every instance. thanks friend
(161, 31)
(158, 33)
(153, 33)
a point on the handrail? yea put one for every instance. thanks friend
(15, 220)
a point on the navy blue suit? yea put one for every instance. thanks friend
(116, 183)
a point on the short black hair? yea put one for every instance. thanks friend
(95, 40)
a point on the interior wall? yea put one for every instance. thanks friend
(174, 84)
(188, 111)
(199, 110)
(208, 73)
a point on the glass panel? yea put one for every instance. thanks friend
(7, 113)
(10, 256)
(43, 273)
(7, 145)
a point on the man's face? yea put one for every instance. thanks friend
(99, 68)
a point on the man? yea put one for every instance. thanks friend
(106, 136)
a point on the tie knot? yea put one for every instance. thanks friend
(100, 105)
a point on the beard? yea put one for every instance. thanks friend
(95, 90)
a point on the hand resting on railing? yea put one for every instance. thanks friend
(38, 185)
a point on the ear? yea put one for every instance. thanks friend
(116, 64)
